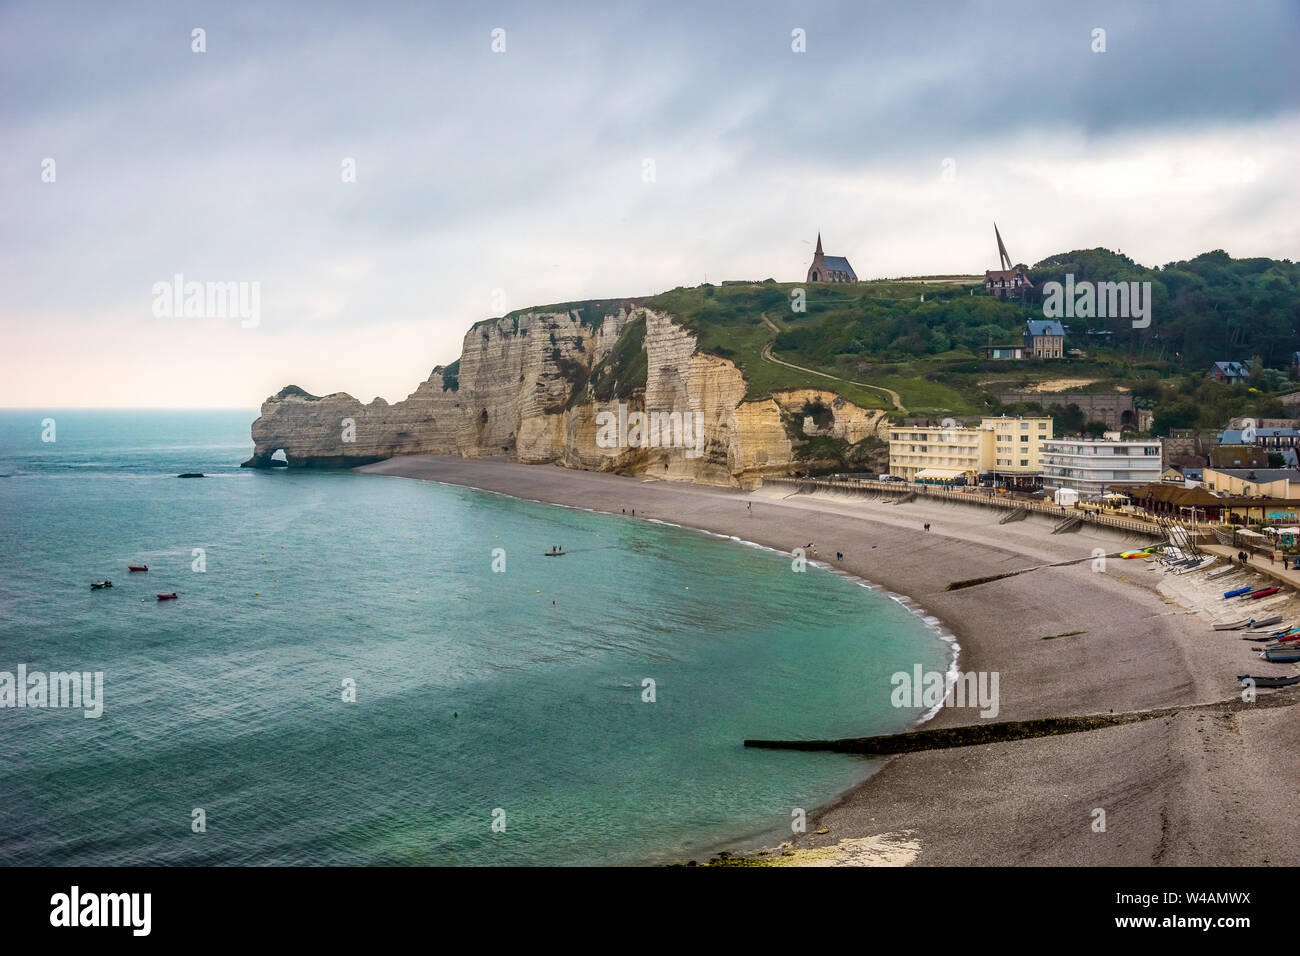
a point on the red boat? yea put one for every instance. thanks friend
(137, 567)
(1263, 593)
(167, 597)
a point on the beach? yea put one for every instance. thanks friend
(1064, 639)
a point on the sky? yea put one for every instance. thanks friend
(386, 174)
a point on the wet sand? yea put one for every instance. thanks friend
(1187, 789)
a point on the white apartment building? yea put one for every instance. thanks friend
(1089, 466)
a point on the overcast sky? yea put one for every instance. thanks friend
(522, 174)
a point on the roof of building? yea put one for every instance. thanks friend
(1276, 432)
(1185, 496)
(838, 264)
(1230, 436)
(1188, 461)
(1003, 273)
(1260, 475)
(1232, 369)
(1045, 327)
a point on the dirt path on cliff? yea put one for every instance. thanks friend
(767, 354)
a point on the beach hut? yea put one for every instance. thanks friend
(1066, 497)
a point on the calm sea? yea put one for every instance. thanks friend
(481, 696)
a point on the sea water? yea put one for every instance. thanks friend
(369, 670)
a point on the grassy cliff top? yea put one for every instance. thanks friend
(919, 342)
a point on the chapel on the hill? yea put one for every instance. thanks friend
(826, 268)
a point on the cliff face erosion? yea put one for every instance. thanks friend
(605, 387)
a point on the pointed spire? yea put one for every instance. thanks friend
(1002, 250)
(818, 253)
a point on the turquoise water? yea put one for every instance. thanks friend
(476, 691)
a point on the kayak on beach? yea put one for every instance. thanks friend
(1271, 681)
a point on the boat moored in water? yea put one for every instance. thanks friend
(168, 597)
(100, 585)
(137, 567)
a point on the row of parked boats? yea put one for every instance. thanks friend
(1177, 561)
(1281, 644)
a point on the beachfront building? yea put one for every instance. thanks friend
(937, 455)
(1017, 451)
(1090, 466)
(1003, 451)
(1254, 482)
(1200, 505)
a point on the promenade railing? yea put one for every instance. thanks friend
(869, 485)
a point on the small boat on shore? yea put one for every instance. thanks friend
(100, 585)
(1264, 593)
(1286, 654)
(1237, 592)
(1198, 565)
(1220, 572)
(1271, 681)
(1289, 636)
(1234, 625)
(168, 597)
(137, 567)
(1266, 622)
